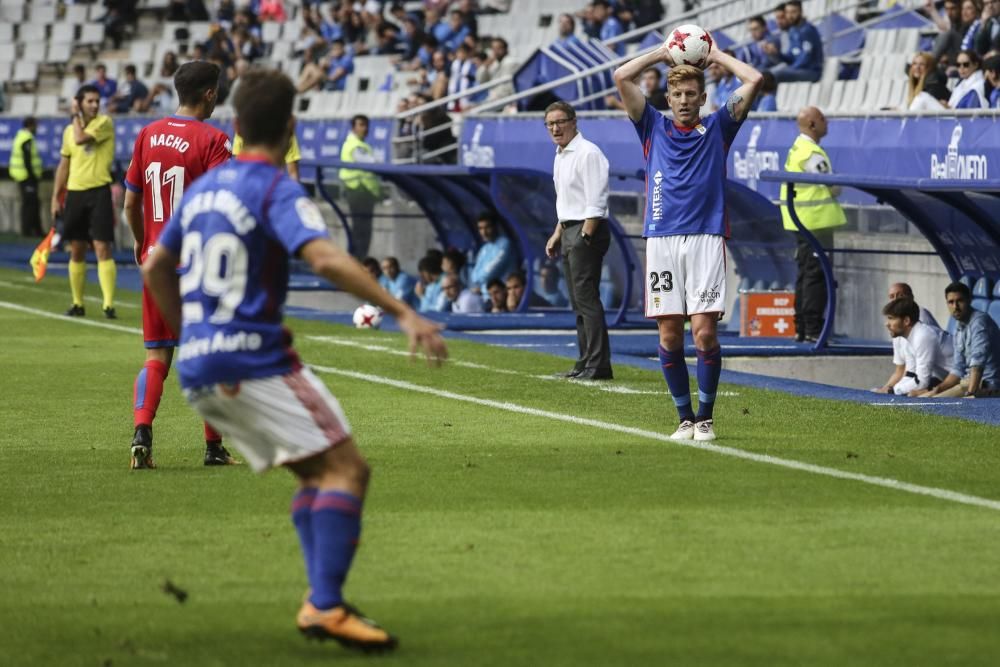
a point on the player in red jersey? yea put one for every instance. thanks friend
(169, 155)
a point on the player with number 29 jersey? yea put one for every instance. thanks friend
(245, 214)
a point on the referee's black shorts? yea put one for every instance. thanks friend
(89, 215)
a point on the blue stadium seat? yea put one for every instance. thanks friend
(758, 286)
(982, 288)
(994, 312)
(996, 290)
(744, 284)
(980, 304)
(775, 286)
(968, 280)
(952, 325)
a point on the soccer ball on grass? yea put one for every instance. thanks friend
(367, 316)
(689, 45)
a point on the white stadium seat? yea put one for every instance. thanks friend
(63, 32)
(76, 13)
(25, 72)
(31, 32)
(47, 105)
(6, 32)
(92, 34)
(22, 105)
(41, 13)
(59, 54)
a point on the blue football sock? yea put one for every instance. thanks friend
(336, 527)
(675, 372)
(709, 370)
(302, 503)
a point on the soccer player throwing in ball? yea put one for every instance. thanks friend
(685, 219)
(169, 155)
(232, 235)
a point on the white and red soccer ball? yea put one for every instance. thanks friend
(367, 316)
(689, 45)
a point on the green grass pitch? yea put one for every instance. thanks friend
(490, 537)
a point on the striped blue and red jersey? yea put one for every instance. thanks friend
(686, 173)
(234, 231)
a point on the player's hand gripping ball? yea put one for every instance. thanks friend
(367, 316)
(689, 45)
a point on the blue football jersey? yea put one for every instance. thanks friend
(234, 231)
(686, 173)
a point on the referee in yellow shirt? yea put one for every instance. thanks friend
(84, 176)
(292, 157)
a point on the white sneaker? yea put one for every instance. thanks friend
(703, 431)
(685, 431)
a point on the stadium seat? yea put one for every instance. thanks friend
(996, 290)
(43, 13)
(6, 68)
(68, 88)
(76, 13)
(63, 33)
(12, 10)
(22, 105)
(270, 32)
(59, 53)
(47, 105)
(91, 34)
(6, 33)
(8, 53)
(968, 280)
(982, 288)
(25, 72)
(994, 311)
(32, 33)
(140, 50)
(982, 305)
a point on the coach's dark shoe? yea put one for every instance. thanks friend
(800, 337)
(142, 448)
(110, 314)
(76, 311)
(571, 373)
(346, 625)
(217, 455)
(596, 374)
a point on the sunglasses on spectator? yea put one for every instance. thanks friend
(964, 63)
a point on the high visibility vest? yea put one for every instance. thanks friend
(815, 205)
(18, 170)
(357, 179)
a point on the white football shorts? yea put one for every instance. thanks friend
(274, 420)
(685, 275)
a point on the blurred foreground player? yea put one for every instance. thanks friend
(169, 155)
(233, 235)
(685, 220)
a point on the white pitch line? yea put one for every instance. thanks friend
(64, 318)
(885, 482)
(941, 494)
(919, 404)
(93, 299)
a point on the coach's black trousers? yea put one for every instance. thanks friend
(810, 287)
(582, 267)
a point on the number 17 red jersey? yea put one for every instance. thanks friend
(169, 155)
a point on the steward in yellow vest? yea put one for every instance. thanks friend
(362, 189)
(818, 211)
(25, 167)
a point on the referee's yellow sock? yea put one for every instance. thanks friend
(107, 273)
(77, 279)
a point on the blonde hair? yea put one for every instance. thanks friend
(915, 85)
(681, 73)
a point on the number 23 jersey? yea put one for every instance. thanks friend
(234, 232)
(169, 155)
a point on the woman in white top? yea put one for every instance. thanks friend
(970, 92)
(925, 89)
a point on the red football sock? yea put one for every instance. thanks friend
(148, 390)
(211, 435)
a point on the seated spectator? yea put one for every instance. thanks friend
(387, 40)
(372, 266)
(803, 60)
(767, 99)
(605, 25)
(725, 84)
(107, 87)
(396, 282)
(926, 89)
(991, 71)
(948, 42)
(498, 296)
(455, 32)
(429, 288)
(922, 353)
(434, 26)
(650, 85)
(462, 76)
(130, 94)
(970, 92)
(455, 261)
(412, 38)
(988, 36)
(435, 82)
(975, 369)
(495, 259)
(754, 52)
(498, 65)
(516, 283)
(547, 287)
(971, 21)
(330, 73)
(567, 31)
(459, 300)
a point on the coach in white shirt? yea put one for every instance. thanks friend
(580, 173)
(901, 357)
(927, 351)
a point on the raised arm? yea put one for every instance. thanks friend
(741, 100)
(627, 75)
